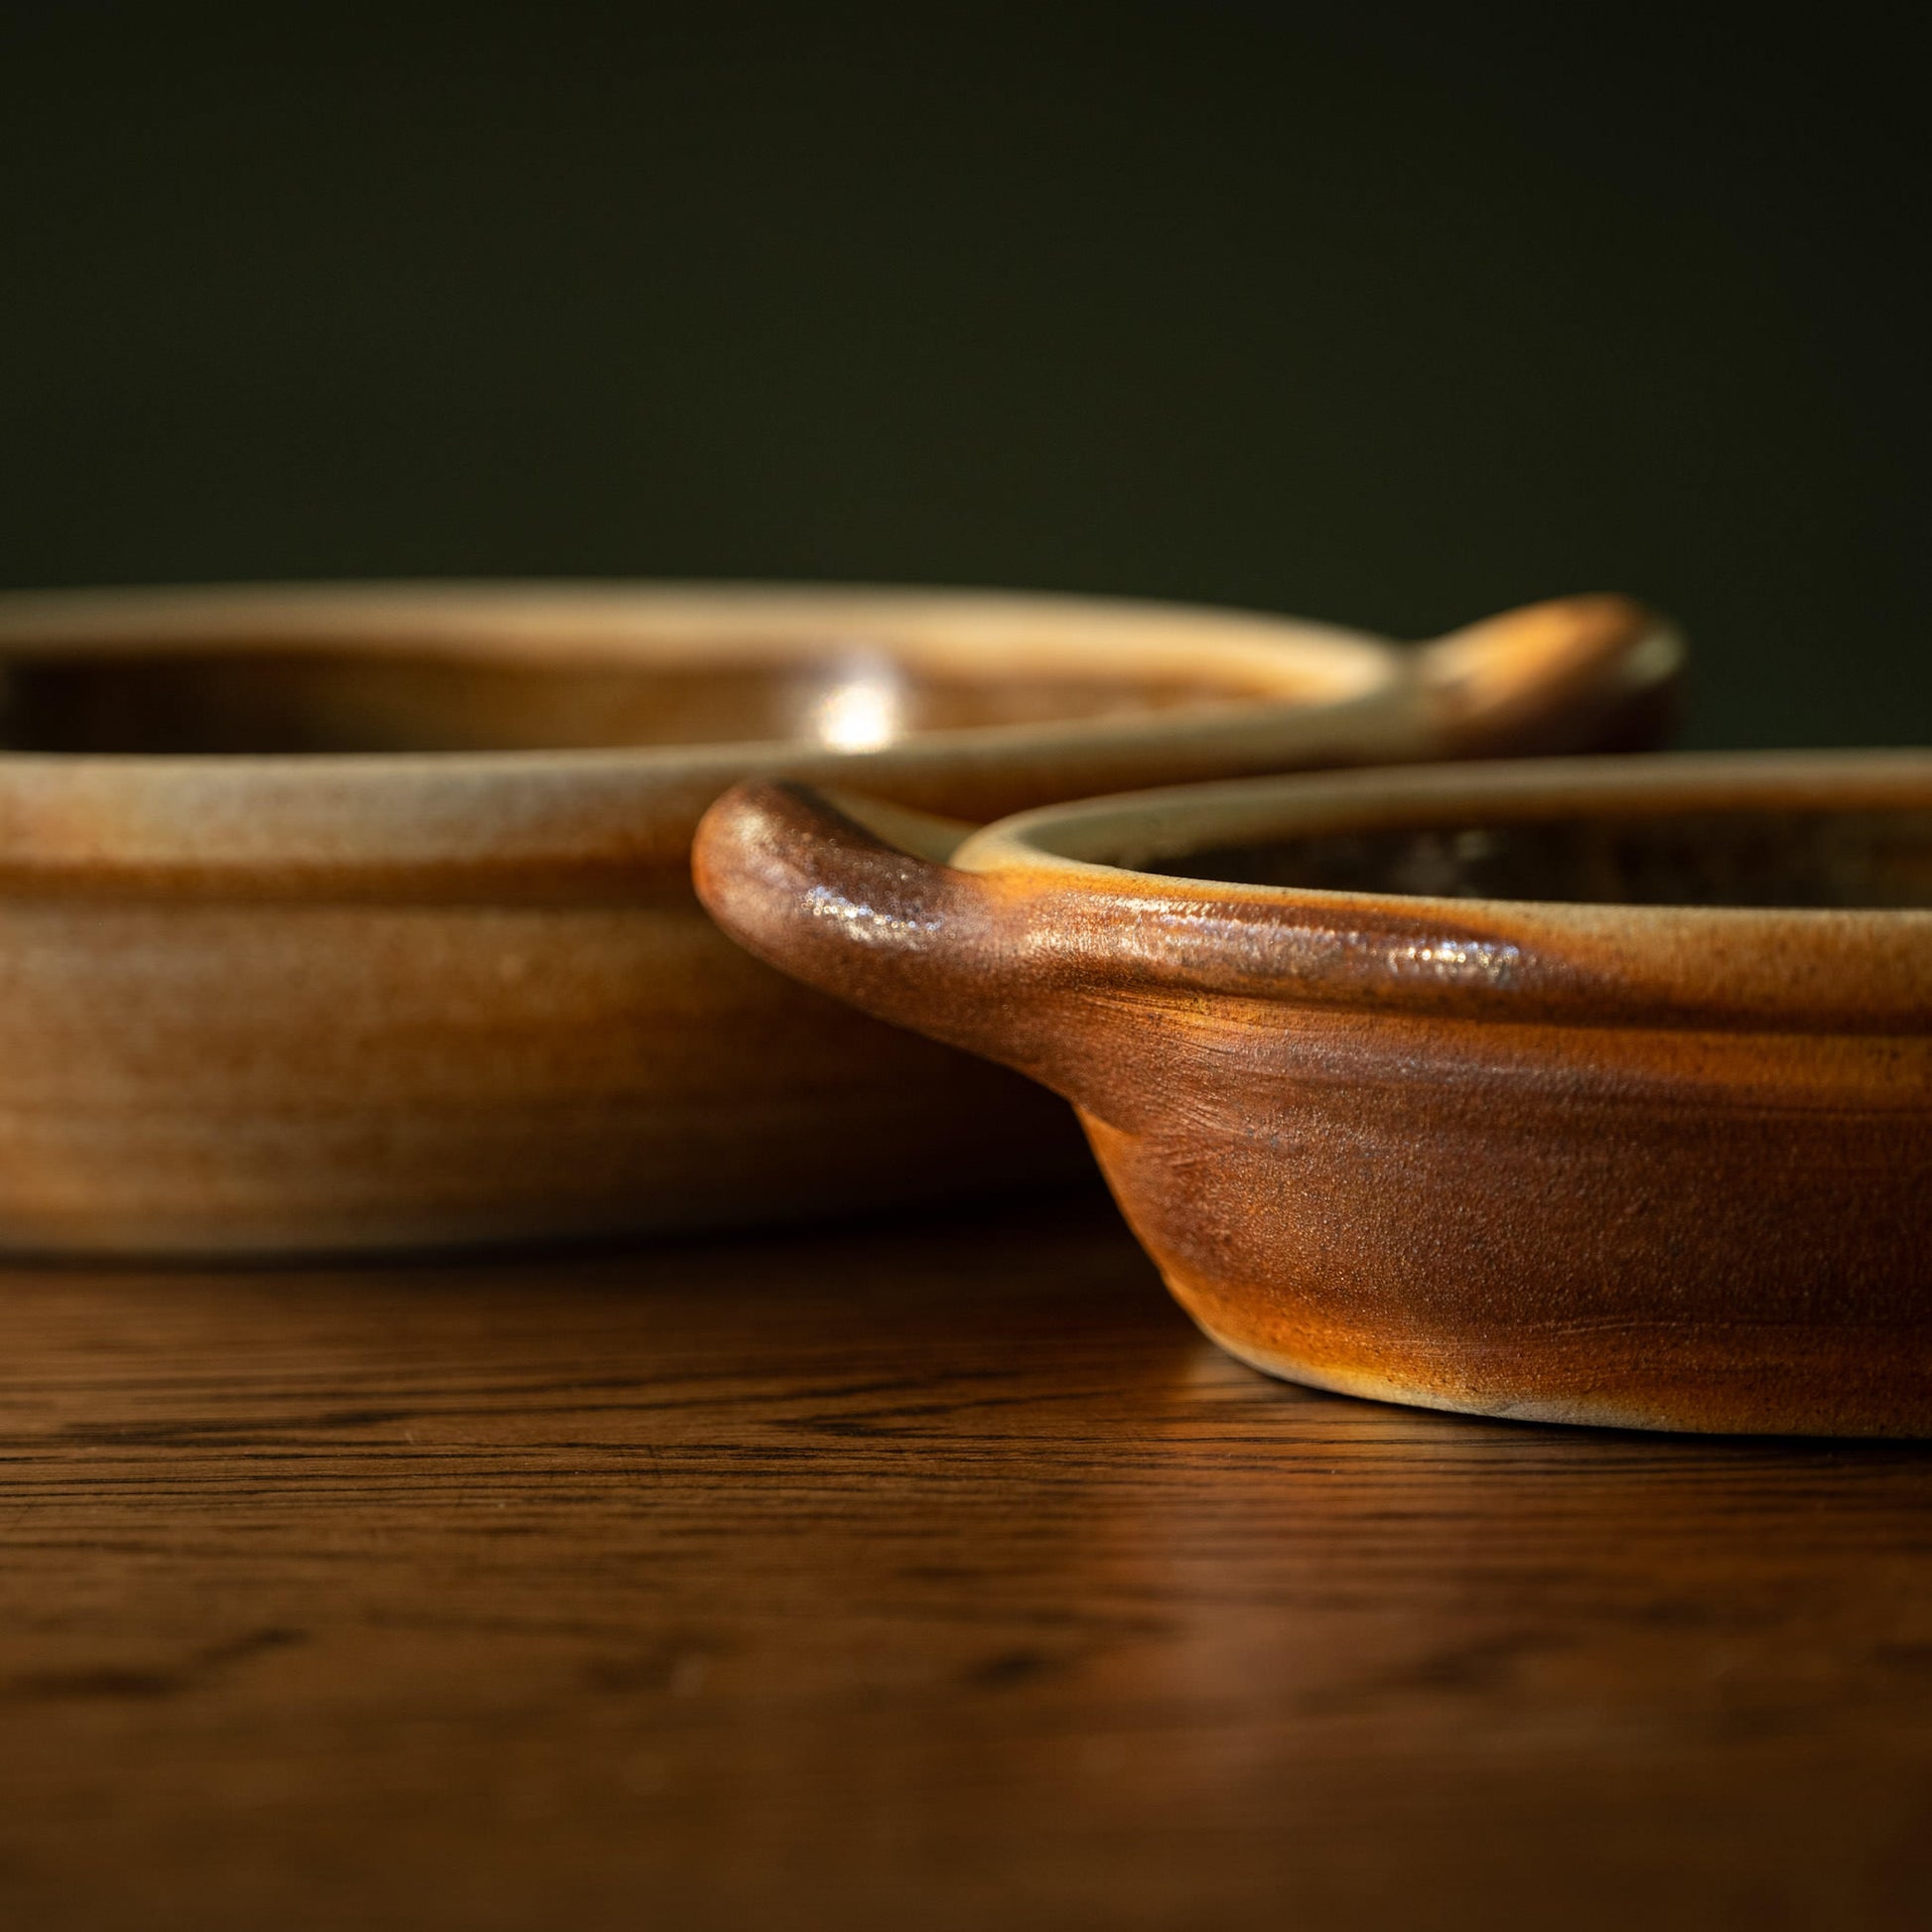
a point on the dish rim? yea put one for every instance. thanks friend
(135, 816)
(1839, 969)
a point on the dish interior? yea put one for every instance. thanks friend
(320, 700)
(1770, 858)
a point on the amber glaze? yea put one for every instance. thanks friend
(360, 917)
(1576, 1157)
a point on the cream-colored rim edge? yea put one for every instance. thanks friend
(60, 814)
(1751, 964)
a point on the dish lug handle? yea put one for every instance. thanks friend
(1590, 673)
(853, 897)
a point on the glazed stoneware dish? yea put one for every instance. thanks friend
(1580, 1090)
(360, 917)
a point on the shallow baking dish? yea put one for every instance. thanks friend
(359, 917)
(1580, 1090)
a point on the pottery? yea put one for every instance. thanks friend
(1577, 1090)
(359, 917)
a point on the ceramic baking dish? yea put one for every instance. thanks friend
(1582, 1090)
(359, 917)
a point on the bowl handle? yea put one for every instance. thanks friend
(853, 897)
(1598, 673)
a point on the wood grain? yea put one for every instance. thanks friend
(934, 1575)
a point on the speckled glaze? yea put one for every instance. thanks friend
(301, 953)
(1588, 1156)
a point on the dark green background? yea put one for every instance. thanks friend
(1381, 315)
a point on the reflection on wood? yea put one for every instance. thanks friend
(930, 1574)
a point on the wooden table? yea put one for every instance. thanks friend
(927, 1575)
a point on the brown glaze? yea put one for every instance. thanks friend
(441, 979)
(1573, 1159)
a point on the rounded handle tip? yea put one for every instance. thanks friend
(1595, 672)
(803, 880)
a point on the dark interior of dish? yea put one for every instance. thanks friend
(334, 700)
(1775, 859)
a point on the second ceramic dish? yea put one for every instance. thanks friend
(359, 917)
